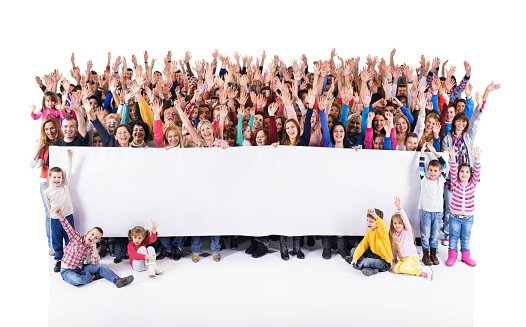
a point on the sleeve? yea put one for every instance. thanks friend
(407, 223)
(476, 173)
(272, 130)
(133, 254)
(419, 128)
(250, 122)
(125, 114)
(239, 140)
(436, 143)
(457, 91)
(345, 113)
(305, 137)
(107, 100)
(422, 167)
(95, 258)
(474, 124)
(470, 107)
(407, 114)
(368, 140)
(302, 107)
(146, 113)
(453, 170)
(393, 139)
(443, 115)
(434, 101)
(103, 133)
(365, 113)
(326, 138)
(158, 133)
(72, 234)
(364, 245)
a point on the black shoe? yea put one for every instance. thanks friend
(222, 243)
(57, 267)
(274, 237)
(163, 254)
(233, 242)
(310, 240)
(253, 246)
(187, 241)
(117, 260)
(418, 241)
(302, 241)
(120, 282)
(176, 253)
(283, 248)
(296, 248)
(348, 259)
(262, 249)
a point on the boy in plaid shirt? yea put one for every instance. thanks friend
(73, 269)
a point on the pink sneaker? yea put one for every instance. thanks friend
(452, 257)
(427, 273)
(467, 259)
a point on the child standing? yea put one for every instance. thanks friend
(73, 270)
(373, 254)
(403, 245)
(431, 203)
(463, 182)
(55, 196)
(140, 255)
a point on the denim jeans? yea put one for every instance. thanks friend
(460, 228)
(448, 195)
(169, 242)
(369, 259)
(48, 219)
(196, 244)
(58, 234)
(81, 276)
(430, 228)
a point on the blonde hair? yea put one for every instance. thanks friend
(429, 137)
(138, 230)
(177, 131)
(201, 123)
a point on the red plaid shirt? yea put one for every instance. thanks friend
(77, 250)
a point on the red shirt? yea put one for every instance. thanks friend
(132, 248)
(77, 250)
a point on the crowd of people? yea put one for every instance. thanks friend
(335, 103)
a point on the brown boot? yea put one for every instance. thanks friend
(433, 256)
(425, 258)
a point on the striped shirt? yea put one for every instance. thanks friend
(463, 199)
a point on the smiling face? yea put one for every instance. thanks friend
(122, 136)
(378, 143)
(464, 174)
(430, 124)
(338, 134)
(433, 172)
(258, 121)
(398, 224)
(49, 102)
(279, 125)
(55, 178)
(461, 106)
(291, 130)
(69, 128)
(460, 125)
(401, 126)
(170, 116)
(173, 138)
(138, 134)
(207, 132)
(411, 143)
(49, 129)
(92, 237)
(261, 138)
(378, 122)
(354, 127)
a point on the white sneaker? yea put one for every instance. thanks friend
(51, 252)
(158, 270)
(151, 269)
(445, 242)
(427, 273)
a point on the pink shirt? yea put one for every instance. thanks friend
(404, 240)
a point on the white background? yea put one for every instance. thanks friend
(38, 37)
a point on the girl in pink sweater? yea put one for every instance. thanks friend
(141, 256)
(463, 183)
(403, 246)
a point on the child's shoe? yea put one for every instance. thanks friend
(151, 269)
(120, 282)
(467, 259)
(57, 266)
(369, 271)
(451, 257)
(51, 252)
(425, 258)
(216, 256)
(433, 256)
(195, 257)
(445, 242)
(427, 273)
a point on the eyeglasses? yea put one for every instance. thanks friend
(112, 122)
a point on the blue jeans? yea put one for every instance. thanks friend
(196, 244)
(169, 242)
(448, 195)
(58, 234)
(369, 259)
(460, 228)
(430, 228)
(82, 276)
(48, 220)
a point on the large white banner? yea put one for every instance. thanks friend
(239, 191)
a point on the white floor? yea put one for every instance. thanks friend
(243, 291)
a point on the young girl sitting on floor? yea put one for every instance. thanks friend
(140, 255)
(403, 245)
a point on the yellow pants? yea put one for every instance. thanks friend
(408, 265)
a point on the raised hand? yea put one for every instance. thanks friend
(436, 130)
(272, 108)
(398, 203)
(476, 152)
(468, 68)
(452, 153)
(154, 226)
